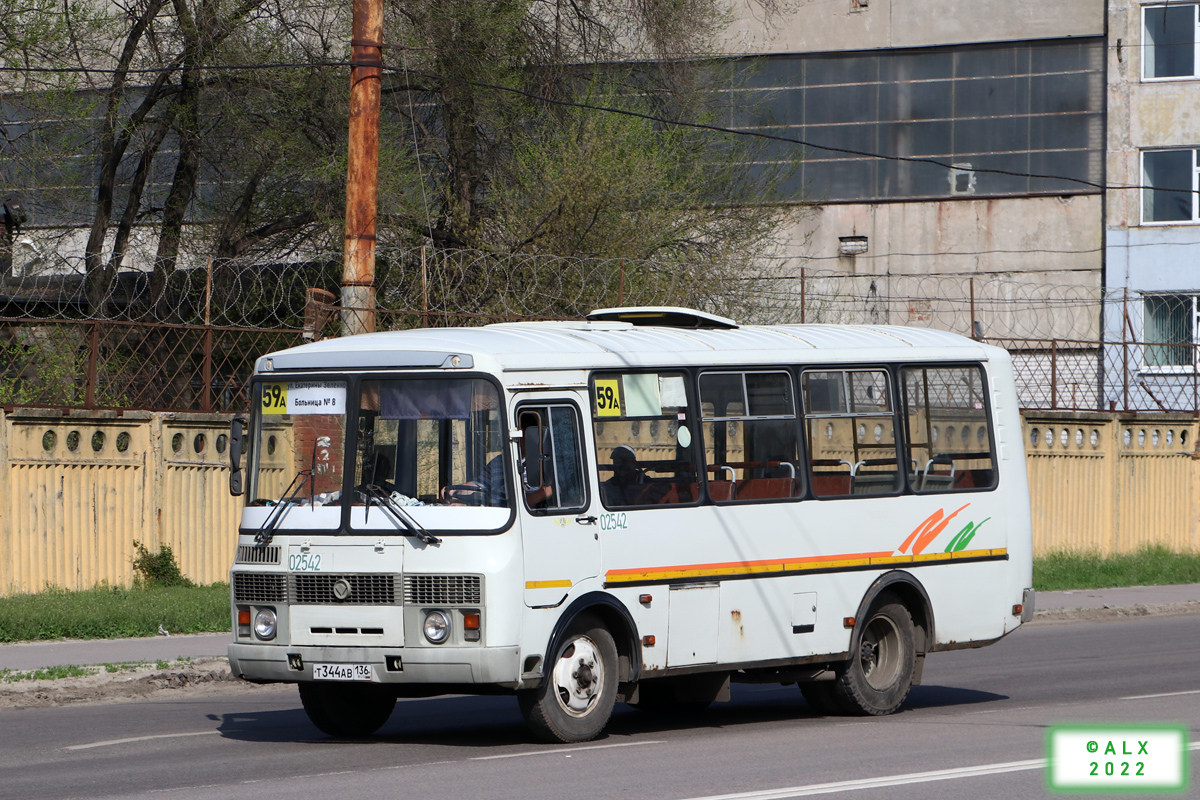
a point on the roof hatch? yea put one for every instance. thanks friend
(665, 316)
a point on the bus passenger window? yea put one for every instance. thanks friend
(749, 425)
(552, 467)
(643, 439)
(940, 403)
(849, 426)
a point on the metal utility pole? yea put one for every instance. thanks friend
(362, 168)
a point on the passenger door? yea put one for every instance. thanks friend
(560, 539)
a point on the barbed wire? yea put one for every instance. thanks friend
(468, 284)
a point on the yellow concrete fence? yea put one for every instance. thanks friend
(77, 489)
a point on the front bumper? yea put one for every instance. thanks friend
(441, 665)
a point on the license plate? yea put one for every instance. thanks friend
(343, 672)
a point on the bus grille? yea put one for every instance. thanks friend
(259, 587)
(249, 554)
(443, 590)
(365, 590)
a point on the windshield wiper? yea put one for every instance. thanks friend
(385, 501)
(266, 531)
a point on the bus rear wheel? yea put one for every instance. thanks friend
(579, 687)
(347, 710)
(878, 676)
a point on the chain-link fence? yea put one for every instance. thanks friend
(189, 339)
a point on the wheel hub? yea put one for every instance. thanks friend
(577, 676)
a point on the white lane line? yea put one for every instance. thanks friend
(891, 780)
(1164, 694)
(137, 739)
(558, 750)
(878, 783)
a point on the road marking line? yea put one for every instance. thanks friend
(1164, 694)
(878, 783)
(891, 780)
(563, 750)
(137, 739)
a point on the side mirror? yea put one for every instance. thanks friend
(236, 430)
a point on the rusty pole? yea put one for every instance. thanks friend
(362, 168)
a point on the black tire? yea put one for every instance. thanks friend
(579, 686)
(347, 710)
(822, 698)
(879, 674)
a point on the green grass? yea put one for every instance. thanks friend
(1153, 566)
(114, 613)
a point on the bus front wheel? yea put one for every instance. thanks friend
(346, 710)
(879, 674)
(578, 689)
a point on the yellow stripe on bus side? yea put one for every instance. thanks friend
(548, 584)
(732, 570)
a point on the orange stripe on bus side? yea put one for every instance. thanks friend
(734, 568)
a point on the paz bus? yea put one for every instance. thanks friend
(642, 506)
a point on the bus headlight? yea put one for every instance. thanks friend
(264, 624)
(437, 627)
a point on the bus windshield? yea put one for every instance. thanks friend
(424, 441)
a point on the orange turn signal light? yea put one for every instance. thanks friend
(1017, 609)
(848, 622)
(644, 599)
(647, 641)
(471, 622)
(244, 616)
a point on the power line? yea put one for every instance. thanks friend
(625, 112)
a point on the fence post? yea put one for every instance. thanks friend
(803, 287)
(89, 396)
(1125, 326)
(206, 371)
(972, 322)
(1054, 373)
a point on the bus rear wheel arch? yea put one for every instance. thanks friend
(879, 674)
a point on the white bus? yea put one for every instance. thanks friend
(639, 507)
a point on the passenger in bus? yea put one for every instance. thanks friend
(628, 485)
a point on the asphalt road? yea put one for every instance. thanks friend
(976, 728)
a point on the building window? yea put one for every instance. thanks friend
(1169, 34)
(1169, 330)
(1169, 181)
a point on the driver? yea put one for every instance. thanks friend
(625, 486)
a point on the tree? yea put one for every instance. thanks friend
(168, 113)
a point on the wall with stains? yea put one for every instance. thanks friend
(77, 490)
(835, 25)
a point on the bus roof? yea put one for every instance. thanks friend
(524, 346)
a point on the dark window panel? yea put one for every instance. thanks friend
(916, 66)
(990, 62)
(1002, 135)
(1059, 94)
(1065, 57)
(1057, 131)
(861, 138)
(840, 70)
(998, 183)
(986, 97)
(1170, 34)
(930, 100)
(1168, 173)
(1074, 164)
(840, 104)
(844, 179)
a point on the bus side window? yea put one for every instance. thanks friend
(948, 430)
(850, 429)
(552, 474)
(750, 436)
(644, 439)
